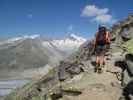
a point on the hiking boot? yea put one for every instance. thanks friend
(100, 70)
(102, 66)
(103, 63)
(96, 68)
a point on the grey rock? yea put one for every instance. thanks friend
(126, 37)
(62, 74)
(125, 34)
(128, 91)
(74, 70)
(129, 62)
(126, 78)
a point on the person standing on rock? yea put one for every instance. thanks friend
(101, 43)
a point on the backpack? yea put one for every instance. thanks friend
(103, 37)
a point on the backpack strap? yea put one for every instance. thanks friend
(96, 38)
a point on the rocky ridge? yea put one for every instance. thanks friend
(74, 78)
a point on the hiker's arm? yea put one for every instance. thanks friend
(108, 37)
(108, 41)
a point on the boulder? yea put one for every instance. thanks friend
(129, 62)
(67, 69)
(128, 92)
(126, 78)
(75, 68)
(126, 36)
(62, 74)
(127, 67)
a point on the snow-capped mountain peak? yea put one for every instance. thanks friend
(77, 38)
(31, 36)
(69, 44)
(54, 48)
(15, 39)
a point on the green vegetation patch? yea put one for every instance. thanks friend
(129, 46)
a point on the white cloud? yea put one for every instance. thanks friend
(105, 18)
(100, 15)
(92, 10)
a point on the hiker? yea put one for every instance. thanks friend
(101, 43)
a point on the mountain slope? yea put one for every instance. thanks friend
(74, 78)
(31, 52)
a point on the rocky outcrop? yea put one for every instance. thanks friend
(124, 39)
(122, 31)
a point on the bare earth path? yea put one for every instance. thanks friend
(96, 86)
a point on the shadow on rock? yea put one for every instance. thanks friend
(127, 91)
(129, 62)
(93, 63)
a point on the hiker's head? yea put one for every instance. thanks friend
(102, 28)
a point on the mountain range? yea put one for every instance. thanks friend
(33, 51)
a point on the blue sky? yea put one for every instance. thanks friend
(55, 18)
